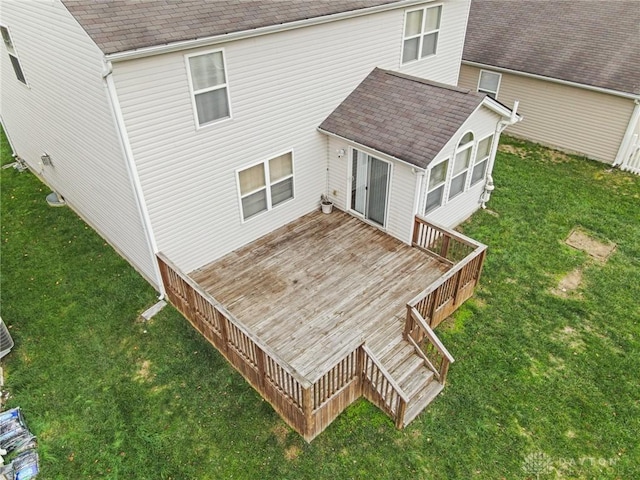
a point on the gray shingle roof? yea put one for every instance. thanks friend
(594, 43)
(121, 25)
(406, 117)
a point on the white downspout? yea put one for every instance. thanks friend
(133, 171)
(628, 135)
(500, 126)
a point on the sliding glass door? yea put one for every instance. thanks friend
(369, 186)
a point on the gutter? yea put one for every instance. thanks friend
(127, 151)
(371, 149)
(553, 80)
(228, 37)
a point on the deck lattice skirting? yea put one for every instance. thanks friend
(309, 405)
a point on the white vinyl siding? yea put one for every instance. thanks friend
(421, 31)
(562, 116)
(265, 185)
(456, 208)
(489, 83)
(283, 86)
(401, 188)
(13, 55)
(65, 113)
(209, 90)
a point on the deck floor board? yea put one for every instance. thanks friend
(320, 284)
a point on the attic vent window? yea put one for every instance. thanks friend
(13, 55)
(210, 94)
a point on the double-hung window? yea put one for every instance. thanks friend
(421, 30)
(265, 185)
(13, 56)
(461, 165)
(435, 188)
(482, 159)
(209, 89)
(489, 83)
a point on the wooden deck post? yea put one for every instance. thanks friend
(260, 361)
(307, 406)
(402, 407)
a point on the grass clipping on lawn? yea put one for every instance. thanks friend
(542, 386)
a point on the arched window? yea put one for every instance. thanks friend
(461, 164)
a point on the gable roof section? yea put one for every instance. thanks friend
(122, 25)
(406, 117)
(594, 43)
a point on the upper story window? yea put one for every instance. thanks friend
(421, 30)
(435, 188)
(13, 56)
(461, 165)
(482, 159)
(489, 83)
(209, 89)
(265, 185)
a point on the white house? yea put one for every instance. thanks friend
(194, 128)
(574, 67)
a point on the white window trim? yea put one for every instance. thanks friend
(485, 90)
(350, 208)
(485, 159)
(420, 35)
(460, 148)
(267, 186)
(445, 183)
(193, 92)
(15, 55)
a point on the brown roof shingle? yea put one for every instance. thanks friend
(406, 117)
(595, 43)
(121, 25)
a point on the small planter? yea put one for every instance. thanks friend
(326, 204)
(327, 207)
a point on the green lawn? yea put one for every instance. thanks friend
(539, 380)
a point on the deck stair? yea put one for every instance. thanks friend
(409, 371)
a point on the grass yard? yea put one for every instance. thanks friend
(544, 385)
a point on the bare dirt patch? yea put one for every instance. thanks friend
(292, 452)
(520, 152)
(570, 337)
(555, 156)
(280, 431)
(144, 372)
(568, 284)
(596, 249)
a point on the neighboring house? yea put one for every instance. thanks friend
(574, 67)
(186, 131)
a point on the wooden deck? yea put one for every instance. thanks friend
(317, 287)
(328, 309)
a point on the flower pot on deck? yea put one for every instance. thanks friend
(326, 207)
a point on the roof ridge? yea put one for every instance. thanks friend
(446, 86)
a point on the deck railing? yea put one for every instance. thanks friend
(463, 254)
(427, 344)
(381, 389)
(307, 405)
(274, 378)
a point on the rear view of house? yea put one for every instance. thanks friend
(574, 66)
(198, 141)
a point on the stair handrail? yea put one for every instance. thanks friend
(385, 373)
(435, 341)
